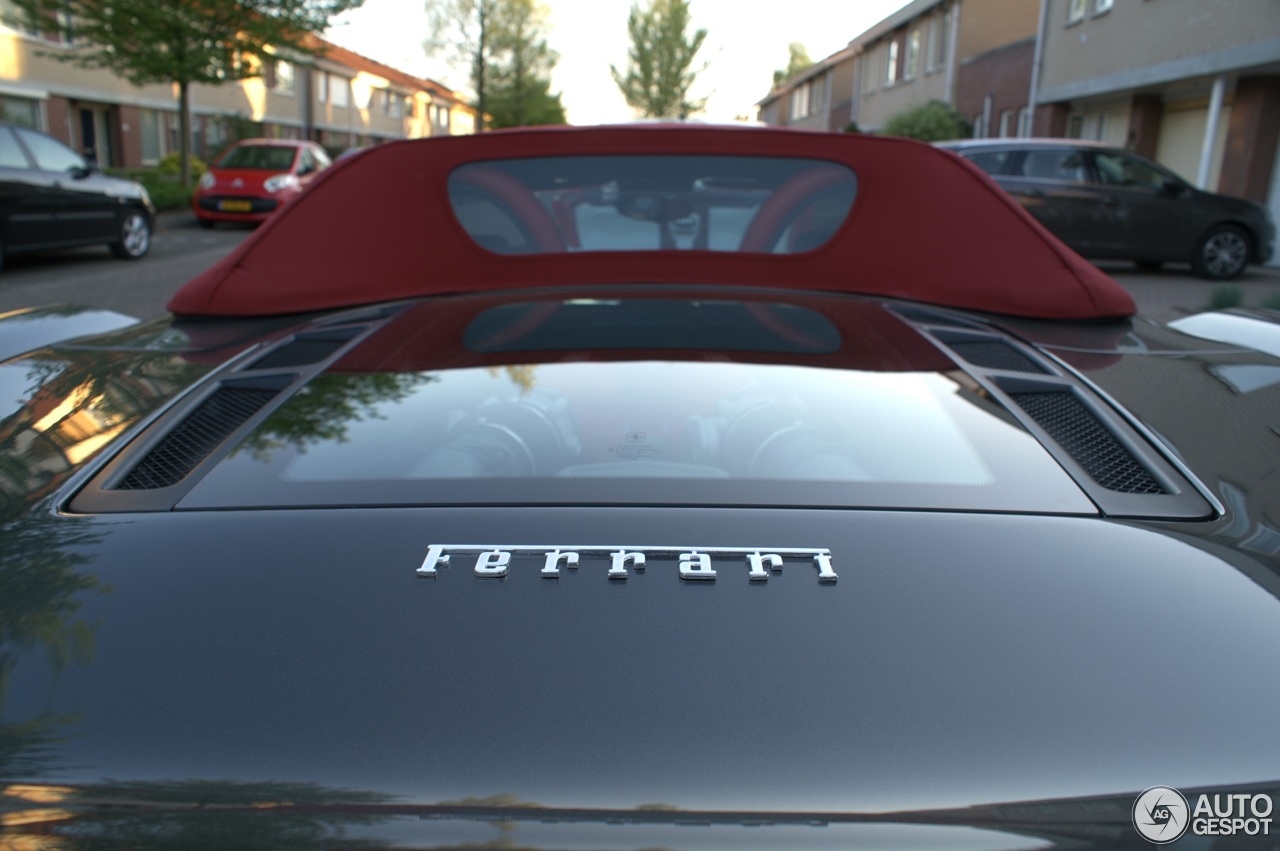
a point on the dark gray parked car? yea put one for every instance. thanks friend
(51, 197)
(1109, 203)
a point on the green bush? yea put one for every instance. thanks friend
(934, 121)
(1223, 298)
(166, 192)
(172, 164)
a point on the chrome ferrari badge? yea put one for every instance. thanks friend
(694, 564)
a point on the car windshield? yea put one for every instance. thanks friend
(649, 203)
(265, 157)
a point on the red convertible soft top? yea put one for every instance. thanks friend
(525, 208)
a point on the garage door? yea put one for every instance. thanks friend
(1181, 136)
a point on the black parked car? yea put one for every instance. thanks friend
(51, 197)
(639, 488)
(1111, 204)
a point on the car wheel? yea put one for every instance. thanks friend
(135, 236)
(1222, 253)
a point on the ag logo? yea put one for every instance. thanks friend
(1160, 814)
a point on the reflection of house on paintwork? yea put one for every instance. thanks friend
(1193, 84)
(339, 99)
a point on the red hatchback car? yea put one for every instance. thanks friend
(255, 177)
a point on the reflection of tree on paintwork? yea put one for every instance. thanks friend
(321, 411)
(70, 410)
(38, 612)
(524, 376)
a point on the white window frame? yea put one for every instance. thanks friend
(800, 102)
(340, 91)
(1075, 11)
(891, 63)
(870, 73)
(911, 61)
(1102, 6)
(284, 78)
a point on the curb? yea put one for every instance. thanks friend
(175, 219)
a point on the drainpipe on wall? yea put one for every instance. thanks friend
(1211, 132)
(305, 74)
(828, 78)
(859, 68)
(1036, 61)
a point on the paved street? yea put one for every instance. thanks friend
(182, 250)
(93, 276)
(1173, 291)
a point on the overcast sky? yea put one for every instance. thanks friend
(744, 44)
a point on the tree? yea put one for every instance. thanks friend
(501, 42)
(658, 77)
(185, 41)
(520, 80)
(934, 121)
(464, 31)
(798, 62)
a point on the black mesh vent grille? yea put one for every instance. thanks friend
(196, 436)
(1088, 441)
(994, 354)
(297, 353)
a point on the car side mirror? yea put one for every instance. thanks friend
(1171, 187)
(80, 172)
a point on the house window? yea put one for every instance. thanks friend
(340, 91)
(18, 20)
(868, 71)
(911, 62)
(392, 104)
(215, 134)
(891, 64)
(1075, 11)
(64, 34)
(22, 111)
(1100, 6)
(440, 118)
(1024, 122)
(149, 133)
(1075, 127)
(799, 102)
(322, 87)
(939, 40)
(283, 82)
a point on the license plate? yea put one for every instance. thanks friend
(235, 206)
